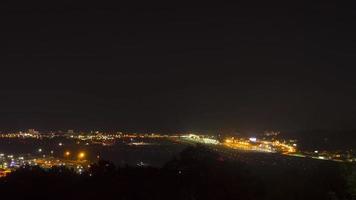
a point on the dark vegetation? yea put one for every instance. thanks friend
(197, 173)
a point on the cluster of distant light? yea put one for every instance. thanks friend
(109, 139)
(270, 145)
(20, 135)
(200, 139)
(9, 163)
(101, 136)
(96, 137)
(250, 144)
(255, 144)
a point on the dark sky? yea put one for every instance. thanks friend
(177, 66)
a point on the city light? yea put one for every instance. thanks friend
(48, 158)
(81, 155)
(253, 139)
(67, 153)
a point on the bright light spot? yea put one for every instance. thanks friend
(81, 155)
(253, 139)
(40, 150)
(228, 141)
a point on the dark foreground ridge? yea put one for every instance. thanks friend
(197, 173)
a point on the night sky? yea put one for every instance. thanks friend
(177, 66)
